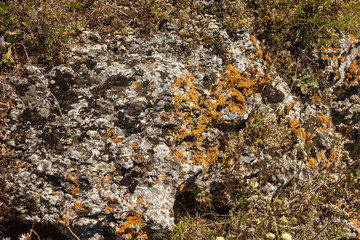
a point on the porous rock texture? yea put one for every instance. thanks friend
(106, 140)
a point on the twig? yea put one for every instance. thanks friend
(37, 235)
(68, 226)
(117, 9)
(323, 228)
(33, 231)
(210, 224)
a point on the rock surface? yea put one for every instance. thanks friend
(107, 140)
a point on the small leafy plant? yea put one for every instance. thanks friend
(6, 43)
(306, 83)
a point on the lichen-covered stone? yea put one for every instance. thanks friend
(107, 139)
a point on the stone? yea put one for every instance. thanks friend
(108, 140)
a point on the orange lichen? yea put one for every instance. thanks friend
(321, 155)
(312, 163)
(181, 187)
(229, 94)
(178, 154)
(354, 215)
(259, 53)
(134, 146)
(323, 119)
(78, 205)
(253, 40)
(127, 228)
(288, 108)
(107, 178)
(76, 190)
(113, 136)
(136, 83)
(294, 124)
(109, 209)
(334, 154)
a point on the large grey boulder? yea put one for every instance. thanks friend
(105, 141)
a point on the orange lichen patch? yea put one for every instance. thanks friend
(212, 153)
(294, 124)
(181, 187)
(342, 59)
(296, 129)
(352, 73)
(199, 158)
(128, 229)
(354, 215)
(352, 39)
(139, 200)
(78, 205)
(150, 62)
(134, 146)
(322, 158)
(107, 178)
(68, 176)
(253, 40)
(321, 155)
(136, 83)
(334, 155)
(288, 108)
(323, 119)
(318, 101)
(123, 228)
(312, 163)
(178, 154)
(113, 136)
(76, 190)
(282, 114)
(109, 209)
(259, 53)
(229, 94)
(244, 81)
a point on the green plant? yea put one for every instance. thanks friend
(5, 51)
(354, 176)
(6, 43)
(306, 83)
(46, 27)
(304, 22)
